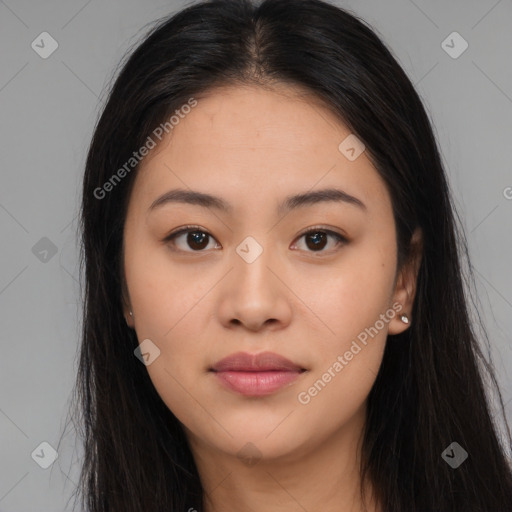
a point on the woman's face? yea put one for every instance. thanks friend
(251, 281)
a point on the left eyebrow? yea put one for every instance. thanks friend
(205, 200)
(332, 195)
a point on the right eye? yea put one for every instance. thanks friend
(196, 238)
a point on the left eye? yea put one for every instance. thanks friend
(317, 238)
(198, 239)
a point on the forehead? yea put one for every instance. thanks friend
(286, 119)
(240, 140)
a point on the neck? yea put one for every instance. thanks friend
(323, 476)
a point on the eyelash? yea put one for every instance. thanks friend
(315, 229)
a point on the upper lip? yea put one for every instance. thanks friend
(264, 361)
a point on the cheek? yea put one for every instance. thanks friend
(346, 298)
(348, 360)
(169, 310)
(352, 304)
(160, 296)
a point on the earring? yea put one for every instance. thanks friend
(131, 314)
(404, 318)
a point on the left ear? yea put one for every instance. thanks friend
(406, 283)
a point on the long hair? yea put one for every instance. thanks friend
(431, 389)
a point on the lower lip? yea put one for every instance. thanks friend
(256, 383)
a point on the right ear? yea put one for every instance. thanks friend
(126, 305)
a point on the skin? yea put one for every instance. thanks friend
(253, 147)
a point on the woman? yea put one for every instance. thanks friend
(275, 315)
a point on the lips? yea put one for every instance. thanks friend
(263, 362)
(256, 375)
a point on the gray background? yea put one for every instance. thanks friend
(48, 108)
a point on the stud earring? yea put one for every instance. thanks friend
(131, 314)
(404, 318)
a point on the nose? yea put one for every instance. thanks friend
(254, 295)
